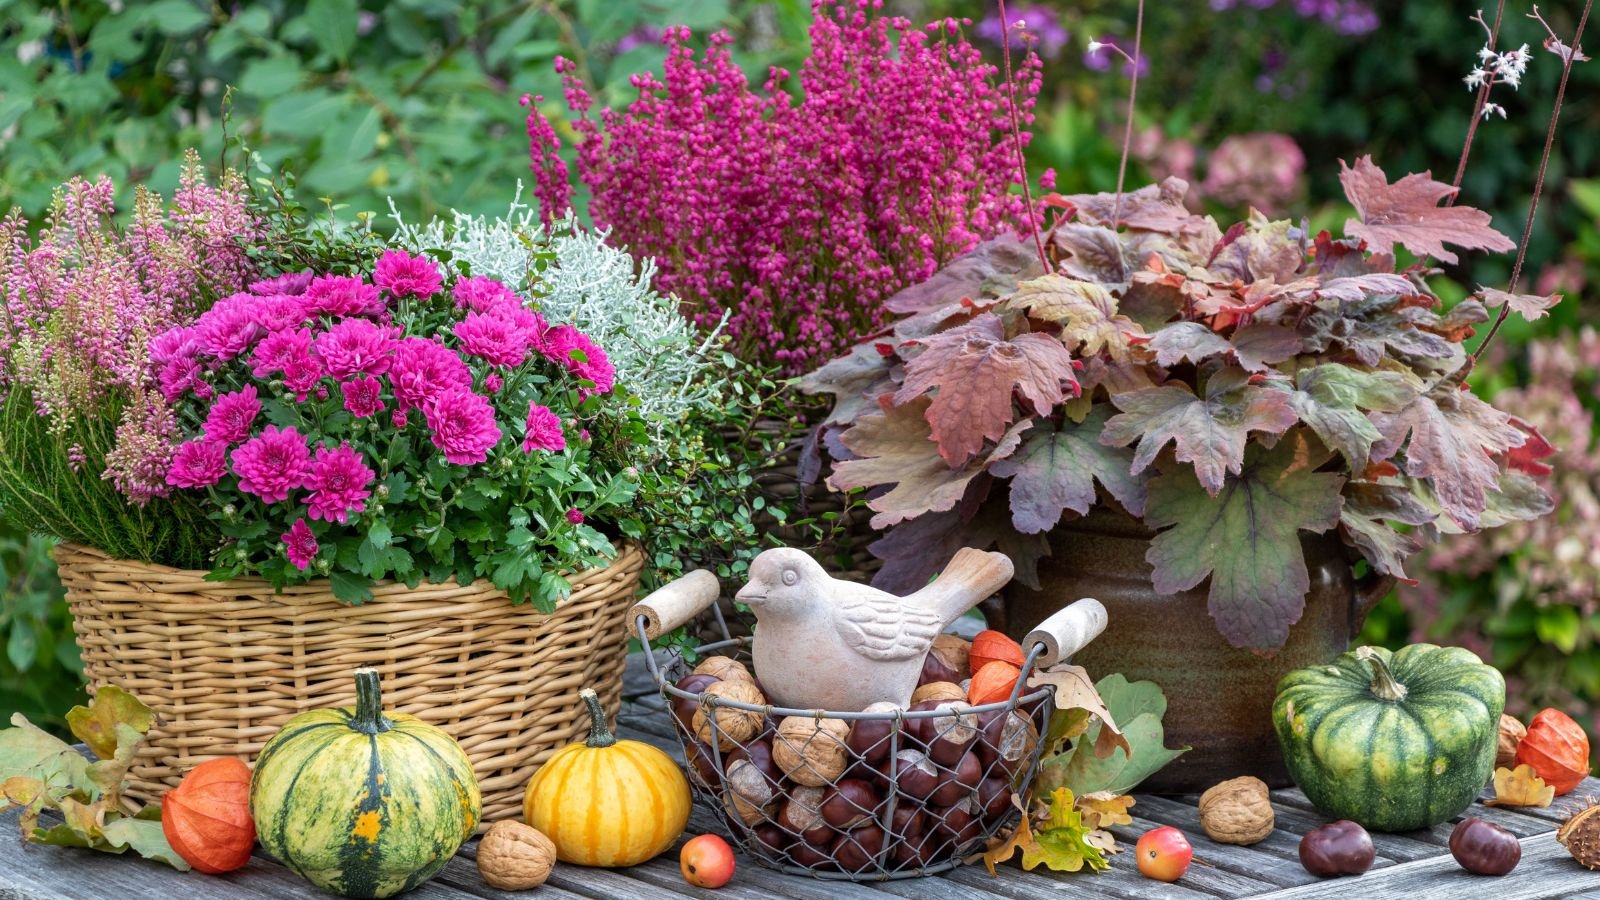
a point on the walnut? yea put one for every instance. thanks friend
(727, 726)
(811, 751)
(725, 668)
(1511, 734)
(939, 690)
(1237, 811)
(515, 857)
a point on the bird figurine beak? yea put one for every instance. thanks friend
(748, 596)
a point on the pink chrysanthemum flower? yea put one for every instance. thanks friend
(198, 464)
(493, 338)
(277, 312)
(273, 464)
(403, 275)
(173, 355)
(340, 484)
(492, 382)
(278, 349)
(463, 426)
(422, 369)
(363, 397)
(581, 356)
(291, 283)
(302, 373)
(480, 293)
(543, 431)
(231, 416)
(230, 327)
(357, 347)
(299, 544)
(342, 295)
(575, 516)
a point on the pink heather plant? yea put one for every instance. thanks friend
(477, 482)
(797, 219)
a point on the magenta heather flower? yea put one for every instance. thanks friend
(299, 544)
(575, 516)
(493, 338)
(480, 293)
(544, 430)
(463, 426)
(278, 350)
(174, 354)
(273, 464)
(423, 368)
(198, 464)
(230, 327)
(357, 347)
(342, 295)
(363, 397)
(291, 283)
(231, 416)
(404, 275)
(339, 483)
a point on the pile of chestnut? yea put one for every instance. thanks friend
(861, 796)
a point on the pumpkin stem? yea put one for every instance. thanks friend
(599, 734)
(1384, 685)
(369, 717)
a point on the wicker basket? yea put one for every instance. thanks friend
(225, 664)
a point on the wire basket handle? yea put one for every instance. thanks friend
(1066, 632)
(674, 604)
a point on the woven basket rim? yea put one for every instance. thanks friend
(628, 548)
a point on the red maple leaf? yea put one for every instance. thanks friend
(1408, 213)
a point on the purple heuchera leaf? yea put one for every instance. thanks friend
(1055, 470)
(1455, 438)
(1408, 213)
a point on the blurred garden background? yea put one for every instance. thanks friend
(1254, 102)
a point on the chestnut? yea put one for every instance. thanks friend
(683, 707)
(758, 755)
(858, 850)
(870, 739)
(1484, 848)
(918, 851)
(1337, 848)
(916, 775)
(771, 839)
(702, 765)
(958, 782)
(940, 666)
(958, 730)
(908, 819)
(805, 853)
(850, 803)
(1006, 739)
(994, 799)
(802, 815)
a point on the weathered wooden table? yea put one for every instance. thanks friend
(1416, 866)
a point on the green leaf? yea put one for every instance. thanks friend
(144, 837)
(1062, 842)
(349, 587)
(333, 26)
(271, 77)
(1331, 398)
(1056, 469)
(175, 17)
(22, 645)
(1245, 538)
(1137, 707)
(96, 724)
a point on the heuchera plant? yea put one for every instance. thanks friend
(796, 219)
(397, 428)
(1231, 388)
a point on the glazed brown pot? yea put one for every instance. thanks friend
(1219, 698)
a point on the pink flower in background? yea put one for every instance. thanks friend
(575, 516)
(357, 347)
(404, 275)
(342, 295)
(543, 431)
(340, 484)
(292, 283)
(463, 426)
(232, 416)
(230, 327)
(273, 464)
(423, 368)
(299, 544)
(1265, 170)
(481, 293)
(198, 464)
(279, 349)
(493, 338)
(363, 397)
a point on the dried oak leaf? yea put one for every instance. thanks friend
(1368, 510)
(1087, 313)
(1208, 431)
(1056, 468)
(1408, 213)
(1103, 809)
(1333, 400)
(895, 446)
(1455, 438)
(1520, 787)
(1075, 691)
(1530, 306)
(1245, 538)
(975, 372)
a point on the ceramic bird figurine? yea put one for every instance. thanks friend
(822, 643)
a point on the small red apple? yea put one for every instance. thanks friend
(707, 861)
(1163, 854)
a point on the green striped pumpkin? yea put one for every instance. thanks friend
(360, 803)
(1394, 741)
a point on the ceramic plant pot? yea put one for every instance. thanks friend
(1219, 698)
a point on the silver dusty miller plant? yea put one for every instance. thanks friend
(579, 278)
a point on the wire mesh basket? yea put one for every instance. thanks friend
(886, 793)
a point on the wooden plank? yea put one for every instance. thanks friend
(1545, 871)
(1275, 859)
(1400, 847)
(462, 873)
(1122, 882)
(1206, 875)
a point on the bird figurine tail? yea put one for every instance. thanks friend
(969, 577)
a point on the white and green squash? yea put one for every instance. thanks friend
(1395, 741)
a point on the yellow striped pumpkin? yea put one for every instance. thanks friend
(606, 802)
(360, 803)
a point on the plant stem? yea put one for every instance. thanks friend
(1133, 97)
(599, 734)
(369, 718)
(1477, 106)
(1384, 685)
(1016, 135)
(1538, 183)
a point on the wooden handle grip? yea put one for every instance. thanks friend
(673, 605)
(1068, 631)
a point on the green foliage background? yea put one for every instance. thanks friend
(416, 100)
